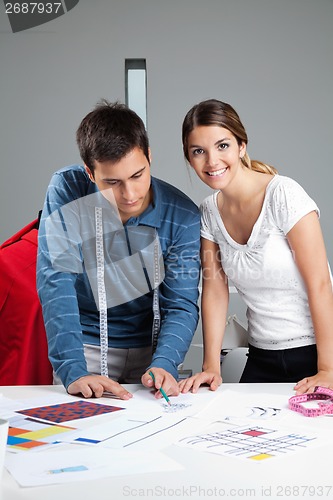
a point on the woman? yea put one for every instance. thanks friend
(261, 232)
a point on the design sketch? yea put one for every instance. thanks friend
(258, 412)
(175, 407)
(251, 442)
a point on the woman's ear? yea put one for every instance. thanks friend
(90, 173)
(242, 150)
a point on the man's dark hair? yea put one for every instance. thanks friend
(110, 132)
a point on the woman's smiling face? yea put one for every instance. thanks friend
(214, 154)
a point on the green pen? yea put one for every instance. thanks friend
(162, 391)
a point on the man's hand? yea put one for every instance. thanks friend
(163, 379)
(94, 385)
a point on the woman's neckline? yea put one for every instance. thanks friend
(256, 225)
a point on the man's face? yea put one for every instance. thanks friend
(129, 179)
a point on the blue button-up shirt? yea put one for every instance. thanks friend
(69, 307)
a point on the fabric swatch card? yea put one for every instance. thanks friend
(65, 412)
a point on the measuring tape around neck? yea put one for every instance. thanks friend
(102, 304)
(324, 397)
(156, 303)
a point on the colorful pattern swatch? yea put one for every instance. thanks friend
(26, 434)
(65, 412)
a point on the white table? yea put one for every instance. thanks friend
(301, 475)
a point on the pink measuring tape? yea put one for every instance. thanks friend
(323, 395)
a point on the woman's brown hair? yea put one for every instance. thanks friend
(221, 114)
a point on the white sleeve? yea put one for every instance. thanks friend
(290, 203)
(207, 221)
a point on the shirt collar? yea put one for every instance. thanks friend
(152, 215)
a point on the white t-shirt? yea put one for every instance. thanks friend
(263, 270)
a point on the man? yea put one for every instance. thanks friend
(118, 263)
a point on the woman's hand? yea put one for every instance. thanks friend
(322, 379)
(213, 379)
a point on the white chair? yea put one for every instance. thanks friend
(233, 364)
(235, 336)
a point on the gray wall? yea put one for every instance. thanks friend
(270, 59)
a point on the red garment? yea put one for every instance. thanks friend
(23, 345)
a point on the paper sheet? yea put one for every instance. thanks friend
(84, 464)
(252, 442)
(238, 408)
(155, 434)
(146, 422)
(9, 407)
(27, 434)
(144, 402)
